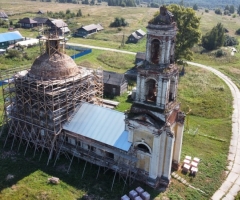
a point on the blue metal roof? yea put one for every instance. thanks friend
(100, 124)
(10, 36)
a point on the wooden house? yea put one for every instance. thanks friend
(27, 23)
(41, 20)
(115, 84)
(3, 15)
(58, 26)
(9, 38)
(136, 36)
(84, 31)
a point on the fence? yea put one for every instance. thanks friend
(82, 53)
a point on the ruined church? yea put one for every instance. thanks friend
(55, 107)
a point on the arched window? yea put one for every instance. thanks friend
(151, 90)
(155, 51)
(172, 90)
(143, 147)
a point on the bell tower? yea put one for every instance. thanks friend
(155, 122)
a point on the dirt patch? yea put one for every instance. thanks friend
(234, 70)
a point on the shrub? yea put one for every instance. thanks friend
(219, 53)
(218, 11)
(118, 22)
(13, 53)
(230, 41)
(206, 10)
(238, 31)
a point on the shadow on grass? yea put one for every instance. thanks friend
(34, 173)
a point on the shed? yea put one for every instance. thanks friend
(136, 36)
(140, 56)
(27, 23)
(115, 84)
(3, 15)
(40, 12)
(9, 38)
(84, 31)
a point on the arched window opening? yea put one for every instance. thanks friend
(151, 93)
(155, 51)
(143, 147)
(172, 91)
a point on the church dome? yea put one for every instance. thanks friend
(54, 66)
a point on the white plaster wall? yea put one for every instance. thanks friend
(161, 154)
(154, 161)
(178, 142)
(168, 158)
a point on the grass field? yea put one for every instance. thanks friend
(207, 129)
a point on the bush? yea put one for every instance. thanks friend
(118, 22)
(238, 31)
(218, 11)
(13, 53)
(219, 53)
(230, 41)
(206, 10)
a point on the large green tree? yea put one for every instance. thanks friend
(215, 38)
(188, 30)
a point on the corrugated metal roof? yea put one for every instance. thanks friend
(10, 36)
(100, 124)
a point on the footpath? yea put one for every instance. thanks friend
(231, 185)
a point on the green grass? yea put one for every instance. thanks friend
(109, 61)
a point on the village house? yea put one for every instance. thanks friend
(58, 26)
(9, 38)
(3, 15)
(115, 84)
(41, 20)
(136, 36)
(140, 56)
(84, 31)
(27, 23)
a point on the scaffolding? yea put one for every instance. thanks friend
(36, 109)
(104, 156)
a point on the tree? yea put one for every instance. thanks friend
(227, 8)
(218, 11)
(238, 10)
(79, 13)
(238, 31)
(195, 7)
(215, 38)
(188, 30)
(232, 9)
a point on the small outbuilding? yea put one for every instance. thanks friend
(140, 56)
(27, 23)
(136, 36)
(115, 84)
(3, 15)
(6, 39)
(84, 31)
